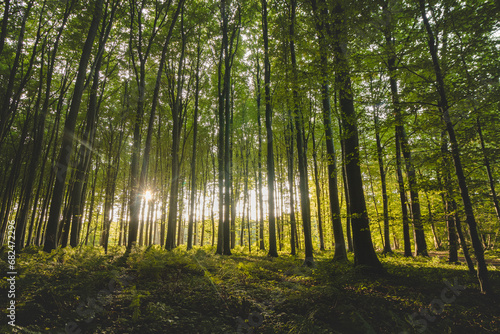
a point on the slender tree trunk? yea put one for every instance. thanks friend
(391, 66)
(40, 128)
(220, 146)
(437, 242)
(7, 110)
(346, 192)
(402, 196)
(269, 131)
(387, 237)
(318, 194)
(420, 244)
(323, 28)
(92, 202)
(364, 253)
(282, 205)
(9, 192)
(248, 227)
(246, 198)
(377, 213)
(461, 237)
(202, 238)
(69, 127)
(450, 205)
(452, 233)
(41, 218)
(291, 175)
(488, 169)
(259, 162)
(482, 271)
(5, 18)
(25, 198)
(213, 202)
(301, 148)
(121, 234)
(193, 158)
(176, 164)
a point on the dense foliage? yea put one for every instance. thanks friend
(282, 126)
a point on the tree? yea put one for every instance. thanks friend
(323, 29)
(301, 146)
(269, 131)
(69, 127)
(482, 271)
(364, 253)
(193, 159)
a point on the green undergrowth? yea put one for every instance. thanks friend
(83, 290)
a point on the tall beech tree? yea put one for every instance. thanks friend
(39, 129)
(230, 30)
(259, 155)
(138, 175)
(364, 253)
(66, 149)
(193, 158)
(323, 28)
(298, 119)
(269, 131)
(482, 271)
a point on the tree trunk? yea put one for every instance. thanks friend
(291, 175)
(364, 253)
(402, 196)
(451, 207)
(193, 158)
(5, 18)
(176, 136)
(6, 112)
(437, 242)
(323, 28)
(482, 271)
(318, 193)
(269, 131)
(488, 170)
(420, 243)
(69, 127)
(38, 130)
(85, 151)
(387, 237)
(346, 192)
(259, 162)
(220, 141)
(301, 148)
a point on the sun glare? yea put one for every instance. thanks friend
(148, 195)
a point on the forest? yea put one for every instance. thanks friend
(235, 166)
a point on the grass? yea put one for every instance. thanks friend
(155, 291)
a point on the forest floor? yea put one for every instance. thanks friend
(82, 290)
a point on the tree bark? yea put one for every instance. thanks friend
(69, 127)
(259, 162)
(6, 111)
(364, 253)
(177, 118)
(402, 196)
(482, 271)
(5, 18)
(323, 28)
(318, 193)
(291, 176)
(488, 170)
(193, 158)
(269, 131)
